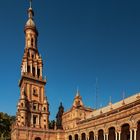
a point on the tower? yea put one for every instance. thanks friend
(32, 118)
(33, 107)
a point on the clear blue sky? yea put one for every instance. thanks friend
(79, 40)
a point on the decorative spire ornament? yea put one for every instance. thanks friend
(30, 1)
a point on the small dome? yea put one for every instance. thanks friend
(30, 23)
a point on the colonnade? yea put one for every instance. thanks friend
(125, 133)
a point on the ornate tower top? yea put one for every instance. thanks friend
(78, 100)
(30, 24)
(32, 62)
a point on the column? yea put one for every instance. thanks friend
(72, 137)
(87, 136)
(31, 68)
(66, 137)
(106, 136)
(130, 134)
(95, 137)
(32, 119)
(116, 135)
(135, 134)
(41, 71)
(40, 94)
(26, 67)
(79, 135)
(119, 135)
(38, 122)
(35, 69)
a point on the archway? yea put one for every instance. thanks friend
(125, 132)
(111, 135)
(100, 134)
(138, 130)
(70, 137)
(83, 136)
(38, 138)
(76, 136)
(91, 135)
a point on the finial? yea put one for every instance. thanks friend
(123, 102)
(110, 102)
(30, 3)
(123, 95)
(30, 10)
(77, 93)
(110, 99)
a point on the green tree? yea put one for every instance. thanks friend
(5, 125)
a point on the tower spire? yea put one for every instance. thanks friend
(30, 10)
(77, 93)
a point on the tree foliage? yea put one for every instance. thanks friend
(5, 125)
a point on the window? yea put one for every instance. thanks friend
(28, 68)
(21, 104)
(34, 107)
(32, 41)
(32, 56)
(34, 119)
(38, 72)
(35, 92)
(33, 71)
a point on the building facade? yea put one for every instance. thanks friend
(119, 121)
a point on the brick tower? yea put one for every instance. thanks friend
(33, 107)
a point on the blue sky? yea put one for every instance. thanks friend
(79, 40)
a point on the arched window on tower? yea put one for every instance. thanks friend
(35, 92)
(38, 72)
(32, 41)
(33, 71)
(22, 105)
(28, 69)
(44, 108)
(34, 119)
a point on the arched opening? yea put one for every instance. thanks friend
(138, 130)
(125, 132)
(22, 104)
(38, 72)
(111, 135)
(83, 136)
(33, 71)
(28, 69)
(32, 41)
(91, 135)
(37, 138)
(101, 135)
(76, 136)
(34, 119)
(44, 108)
(70, 137)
